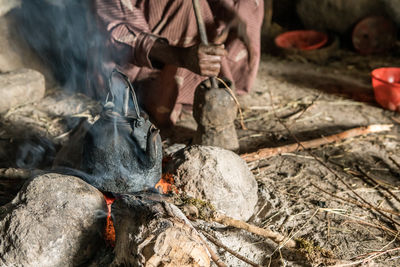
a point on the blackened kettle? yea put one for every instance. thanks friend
(122, 153)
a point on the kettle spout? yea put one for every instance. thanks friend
(153, 141)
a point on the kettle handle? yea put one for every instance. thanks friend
(129, 89)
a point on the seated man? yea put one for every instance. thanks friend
(156, 43)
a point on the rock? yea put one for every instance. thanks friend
(7, 5)
(20, 87)
(216, 175)
(53, 221)
(157, 233)
(336, 15)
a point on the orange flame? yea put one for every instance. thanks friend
(166, 184)
(109, 232)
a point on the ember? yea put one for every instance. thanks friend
(109, 232)
(166, 184)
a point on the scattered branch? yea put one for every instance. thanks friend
(274, 236)
(237, 255)
(215, 258)
(372, 256)
(269, 152)
(395, 162)
(374, 181)
(357, 203)
(380, 227)
(372, 128)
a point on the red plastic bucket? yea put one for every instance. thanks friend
(302, 39)
(386, 84)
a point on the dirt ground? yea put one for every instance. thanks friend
(309, 194)
(315, 100)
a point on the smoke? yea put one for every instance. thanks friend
(35, 153)
(61, 32)
(65, 35)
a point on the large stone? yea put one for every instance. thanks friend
(216, 175)
(53, 221)
(336, 15)
(150, 232)
(7, 5)
(20, 87)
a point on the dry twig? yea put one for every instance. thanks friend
(395, 162)
(354, 219)
(208, 212)
(372, 256)
(269, 152)
(274, 236)
(237, 255)
(374, 181)
(357, 203)
(380, 227)
(372, 128)
(215, 258)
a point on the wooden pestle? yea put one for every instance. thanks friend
(203, 33)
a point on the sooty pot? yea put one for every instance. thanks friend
(122, 153)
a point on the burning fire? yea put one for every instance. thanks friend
(166, 184)
(109, 233)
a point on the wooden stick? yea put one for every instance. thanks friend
(200, 22)
(269, 152)
(357, 203)
(372, 128)
(215, 216)
(166, 236)
(237, 255)
(380, 227)
(341, 179)
(274, 236)
(374, 181)
(268, 9)
(395, 162)
(202, 31)
(215, 258)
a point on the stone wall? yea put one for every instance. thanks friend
(337, 15)
(341, 15)
(14, 51)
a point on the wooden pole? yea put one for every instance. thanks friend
(203, 33)
(264, 153)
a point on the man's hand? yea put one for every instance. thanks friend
(204, 60)
(201, 59)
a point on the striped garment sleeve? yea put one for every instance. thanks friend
(127, 25)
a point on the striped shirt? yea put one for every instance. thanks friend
(132, 27)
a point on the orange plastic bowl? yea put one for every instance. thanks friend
(386, 84)
(302, 39)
